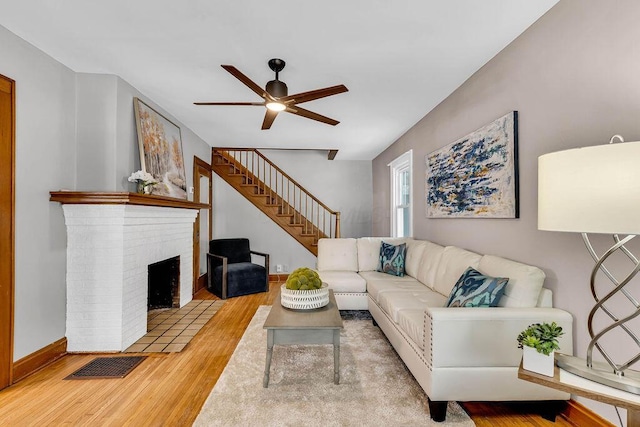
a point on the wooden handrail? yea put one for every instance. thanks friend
(308, 211)
(293, 181)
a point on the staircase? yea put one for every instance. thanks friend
(276, 194)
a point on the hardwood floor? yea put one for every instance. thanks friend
(169, 389)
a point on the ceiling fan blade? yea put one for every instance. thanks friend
(299, 98)
(269, 117)
(229, 103)
(311, 115)
(247, 81)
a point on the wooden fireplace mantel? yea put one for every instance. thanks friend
(115, 198)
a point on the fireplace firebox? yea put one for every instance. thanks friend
(164, 284)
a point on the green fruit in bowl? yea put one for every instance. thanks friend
(317, 283)
(294, 284)
(303, 279)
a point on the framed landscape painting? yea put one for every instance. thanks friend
(477, 175)
(160, 151)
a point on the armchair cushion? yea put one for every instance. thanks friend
(236, 250)
(243, 278)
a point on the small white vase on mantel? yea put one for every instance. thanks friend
(538, 362)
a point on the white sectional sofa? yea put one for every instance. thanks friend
(455, 353)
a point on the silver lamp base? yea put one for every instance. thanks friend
(600, 373)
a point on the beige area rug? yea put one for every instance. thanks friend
(375, 389)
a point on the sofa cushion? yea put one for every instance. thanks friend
(369, 251)
(393, 302)
(376, 287)
(415, 249)
(474, 289)
(343, 281)
(392, 258)
(453, 263)
(412, 323)
(337, 254)
(373, 276)
(525, 281)
(429, 263)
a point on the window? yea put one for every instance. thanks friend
(401, 183)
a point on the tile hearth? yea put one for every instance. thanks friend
(170, 330)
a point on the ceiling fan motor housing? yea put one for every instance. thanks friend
(277, 89)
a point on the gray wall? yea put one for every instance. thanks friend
(343, 186)
(107, 138)
(45, 159)
(74, 131)
(574, 78)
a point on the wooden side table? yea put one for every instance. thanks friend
(574, 384)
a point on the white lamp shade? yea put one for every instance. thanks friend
(590, 190)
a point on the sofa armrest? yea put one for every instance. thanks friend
(472, 337)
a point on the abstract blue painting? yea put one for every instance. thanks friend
(477, 175)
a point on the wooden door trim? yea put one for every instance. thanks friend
(200, 168)
(7, 308)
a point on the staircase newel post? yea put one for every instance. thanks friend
(337, 225)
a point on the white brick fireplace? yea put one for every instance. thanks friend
(109, 247)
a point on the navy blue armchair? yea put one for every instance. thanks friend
(230, 272)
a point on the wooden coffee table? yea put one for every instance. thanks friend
(318, 326)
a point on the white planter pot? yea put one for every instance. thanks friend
(537, 362)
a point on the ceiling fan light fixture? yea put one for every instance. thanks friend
(275, 106)
(276, 98)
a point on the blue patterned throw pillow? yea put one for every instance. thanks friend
(474, 289)
(392, 259)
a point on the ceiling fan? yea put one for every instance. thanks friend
(276, 98)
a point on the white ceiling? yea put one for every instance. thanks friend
(399, 59)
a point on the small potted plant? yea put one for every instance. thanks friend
(539, 343)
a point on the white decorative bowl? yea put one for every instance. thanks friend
(304, 300)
